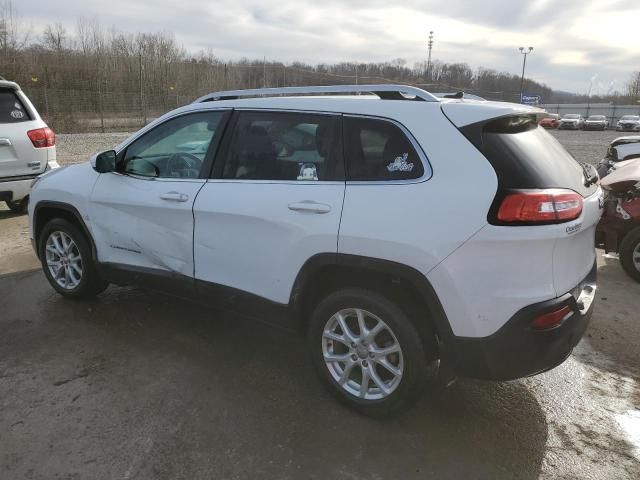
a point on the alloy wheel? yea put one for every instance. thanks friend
(63, 260)
(362, 354)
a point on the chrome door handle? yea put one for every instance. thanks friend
(311, 207)
(174, 197)
(5, 142)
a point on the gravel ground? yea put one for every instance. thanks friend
(587, 146)
(139, 385)
(78, 147)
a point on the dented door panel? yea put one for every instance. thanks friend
(135, 226)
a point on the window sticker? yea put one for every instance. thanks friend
(17, 114)
(17, 106)
(400, 164)
(308, 172)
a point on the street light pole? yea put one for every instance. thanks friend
(524, 65)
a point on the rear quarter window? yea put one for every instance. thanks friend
(378, 150)
(12, 110)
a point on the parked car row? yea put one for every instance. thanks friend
(575, 121)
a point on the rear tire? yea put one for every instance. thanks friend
(630, 254)
(393, 380)
(19, 207)
(67, 261)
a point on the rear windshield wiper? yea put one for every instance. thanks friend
(590, 174)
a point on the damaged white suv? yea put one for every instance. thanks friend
(399, 231)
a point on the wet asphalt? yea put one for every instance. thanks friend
(136, 384)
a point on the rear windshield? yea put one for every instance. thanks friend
(526, 156)
(12, 110)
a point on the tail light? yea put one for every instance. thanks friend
(550, 320)
(42, 137)
(540, 207)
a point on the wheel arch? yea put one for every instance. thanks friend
(324, 273)
(45, 211)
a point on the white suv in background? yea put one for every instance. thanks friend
(400, 232)
(27, 146)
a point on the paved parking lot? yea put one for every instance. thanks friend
(139, 385)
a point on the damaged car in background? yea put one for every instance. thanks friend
(619, 228)
(620, 150)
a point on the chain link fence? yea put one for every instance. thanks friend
(76, 93)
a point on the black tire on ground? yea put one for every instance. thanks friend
(630, 244)
(416, 374)
(91, 284)
(19, 207)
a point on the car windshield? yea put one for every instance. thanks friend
(597, 117)
(572, 116)
(630, 117)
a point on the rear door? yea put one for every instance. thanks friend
(18, 156)
(274, 202)
(141, 215)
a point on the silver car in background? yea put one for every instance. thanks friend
(629, 123)
(596, 122)
(571, 121)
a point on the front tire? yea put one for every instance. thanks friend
(367, 352)
(67, 261)
(630, 254)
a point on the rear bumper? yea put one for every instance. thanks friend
(14, 190)
(516, 350)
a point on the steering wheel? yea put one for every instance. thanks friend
(183, 165)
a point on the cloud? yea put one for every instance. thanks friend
(573, 39)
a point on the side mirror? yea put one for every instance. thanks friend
(104, 162)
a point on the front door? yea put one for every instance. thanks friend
(141, 214)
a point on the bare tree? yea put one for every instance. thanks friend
(633, 86)
(14, 35)
(55, 38)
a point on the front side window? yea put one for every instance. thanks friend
(12, 109)
(379, 150)
(284, 146)
(175, 149)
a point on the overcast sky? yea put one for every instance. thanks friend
(575, 40)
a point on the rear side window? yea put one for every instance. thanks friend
(378, 150)
(12, 110)
(526, 156)
(284, 146)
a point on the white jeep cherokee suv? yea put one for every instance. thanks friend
(399, 231)
(27, 146)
